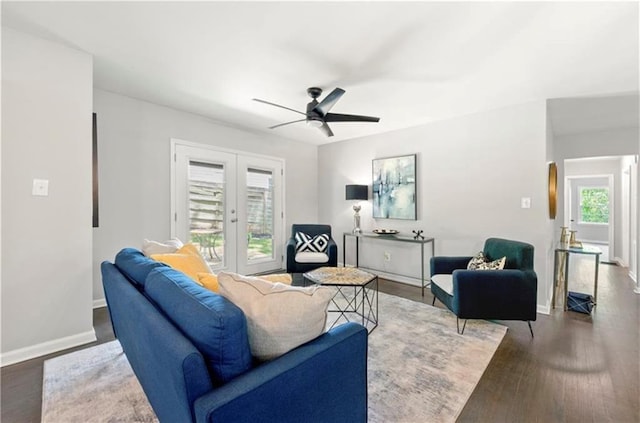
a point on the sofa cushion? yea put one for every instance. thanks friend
(279, 317)
(310, 257)
(211, 322)
(136, 266)
(444, 282)
(187, 260)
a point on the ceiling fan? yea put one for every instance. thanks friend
(318, 115)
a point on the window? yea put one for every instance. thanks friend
(594, 205)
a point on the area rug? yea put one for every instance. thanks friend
(419, 370)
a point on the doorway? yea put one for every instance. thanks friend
(229, 204)
(590, 211)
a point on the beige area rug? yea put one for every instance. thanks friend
(420, 370)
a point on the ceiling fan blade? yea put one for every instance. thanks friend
(286, 123)
(338, 117)
(277, 105)
(329, 101)
(326, 130)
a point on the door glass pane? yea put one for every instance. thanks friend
(259, 214)
(206, 210)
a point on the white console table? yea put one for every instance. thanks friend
(389, 238)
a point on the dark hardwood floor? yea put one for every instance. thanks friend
(578, 368)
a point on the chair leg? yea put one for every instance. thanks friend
(434, 301)
(530, 329)
(458, 326)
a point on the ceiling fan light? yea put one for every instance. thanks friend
(314, 123)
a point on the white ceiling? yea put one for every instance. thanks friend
(408, 63)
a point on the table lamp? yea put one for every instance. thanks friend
(357, 193)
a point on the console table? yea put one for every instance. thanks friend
(562, 253)
(389, 238)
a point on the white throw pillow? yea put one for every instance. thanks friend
(167, 247)
(279, 317)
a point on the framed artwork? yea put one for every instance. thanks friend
(394, 188)
(94, 167)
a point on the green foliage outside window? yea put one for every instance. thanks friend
(594, 205)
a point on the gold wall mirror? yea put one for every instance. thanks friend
(553, 190)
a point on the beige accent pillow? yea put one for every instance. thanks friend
(284, 278)
(279, 317)
(167, 247)
(210, 281)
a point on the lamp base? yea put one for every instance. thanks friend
(356, 221)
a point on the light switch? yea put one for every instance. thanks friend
(525, 202)
(40, 187)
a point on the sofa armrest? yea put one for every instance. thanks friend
(324, 380)
(495, 294)
(441, 265)
(332, 252)
(291, 253)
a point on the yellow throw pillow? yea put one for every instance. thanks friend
(187, 260)
(209, 281)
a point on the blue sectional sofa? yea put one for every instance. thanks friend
(189, 349)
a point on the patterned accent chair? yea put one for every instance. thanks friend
(509, 294)
(310, 251)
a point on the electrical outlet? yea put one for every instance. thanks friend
(387, 256)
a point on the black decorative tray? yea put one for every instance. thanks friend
(385, 232)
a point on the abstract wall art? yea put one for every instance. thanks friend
(394, 188)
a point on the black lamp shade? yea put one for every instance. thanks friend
(357, 192)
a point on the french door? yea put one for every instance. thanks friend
(230, 205)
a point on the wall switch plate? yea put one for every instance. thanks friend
(387, 256)
(525, 202)
(40, 187)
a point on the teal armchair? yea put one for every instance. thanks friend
(509, 294)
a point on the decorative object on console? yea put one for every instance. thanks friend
(385, 232)
(418, 234)
(394, 188)
(553, 190)
(564, 235)
(357, 193)
(573, 242)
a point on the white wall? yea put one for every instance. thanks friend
(472, 172)
(134, 171)
(46, 241)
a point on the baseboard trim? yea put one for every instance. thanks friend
(540, 309)
(33, 351)
(397, 278)
(99, 303)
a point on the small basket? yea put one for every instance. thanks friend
(582, 303)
